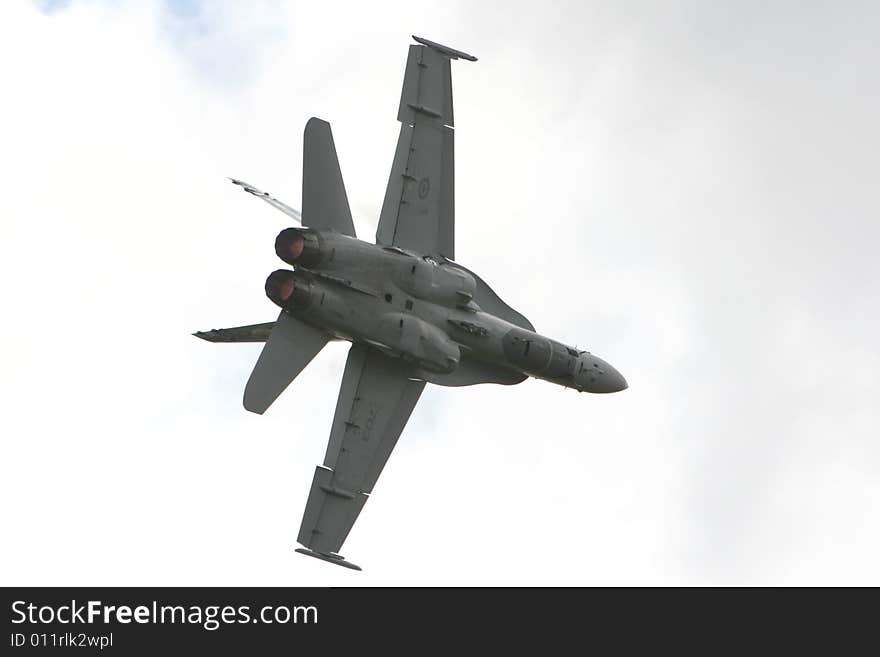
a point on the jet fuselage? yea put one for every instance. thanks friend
(423, 309)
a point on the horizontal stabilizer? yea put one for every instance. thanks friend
(271, 200)
(250, 333)
(332, 558)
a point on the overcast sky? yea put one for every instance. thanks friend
(689, 191)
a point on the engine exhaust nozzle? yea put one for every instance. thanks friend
(296, 246)
(287, 290)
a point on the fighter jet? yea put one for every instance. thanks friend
(412, 314)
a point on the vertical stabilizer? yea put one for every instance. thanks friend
(324, 201)
(289, 348)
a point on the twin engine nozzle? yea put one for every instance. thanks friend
(301, 247)
(297, 246)
(288, 289)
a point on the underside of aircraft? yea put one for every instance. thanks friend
(412, 313)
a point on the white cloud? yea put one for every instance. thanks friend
(687, 193)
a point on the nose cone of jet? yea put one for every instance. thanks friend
(603, 378)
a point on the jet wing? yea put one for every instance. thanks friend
(375, 401)
(419, 208)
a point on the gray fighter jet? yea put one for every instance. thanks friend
(412, 314)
